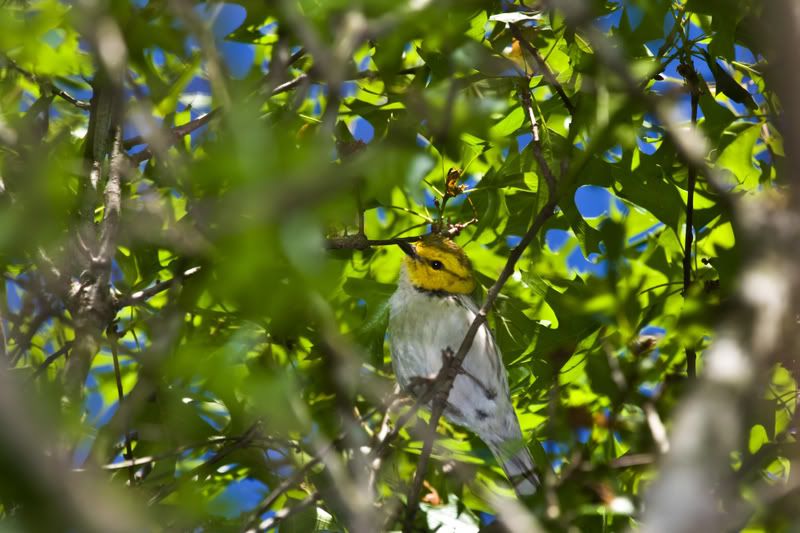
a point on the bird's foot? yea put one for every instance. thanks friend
(418, 385)
(450, 365)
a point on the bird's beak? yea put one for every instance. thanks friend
(409, 249)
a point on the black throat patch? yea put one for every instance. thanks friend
(438, 293)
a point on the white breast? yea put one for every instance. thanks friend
(421, 326)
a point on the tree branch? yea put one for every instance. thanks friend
(112, 206)
(446, 377)
(92, 299)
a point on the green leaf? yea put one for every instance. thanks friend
(758, 437)
(729, 86)
(647, 187)
(508, 125)
(737, 157)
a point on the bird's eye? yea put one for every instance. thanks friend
(437, 265)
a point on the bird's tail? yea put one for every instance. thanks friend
(517, 463)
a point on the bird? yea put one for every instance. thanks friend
(429, 315)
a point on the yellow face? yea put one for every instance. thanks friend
(439, 264)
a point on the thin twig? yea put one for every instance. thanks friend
(446, 376)
(383, 431)
(180, 131)
(360, 242)
(289, 85)
(50, 359)
(312, 78)
(536, 147)
(22, 344)
(440, 401)
(159, 286)
(242, 442)
(198, 27)
(111, 334)
(189, 127)
(382, 446)
(285, 513)
(3, 347)
(657, 428)
(177, 133)
(626, 461)
(285, 485)
(691, 148)
(360, 215)
(295, 57)
(546, 72)
(80, 104)
(691, 80)
(211, 441)
(298, 475)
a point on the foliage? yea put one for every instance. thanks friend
(243, 311)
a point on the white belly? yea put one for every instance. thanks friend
(421, 326)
